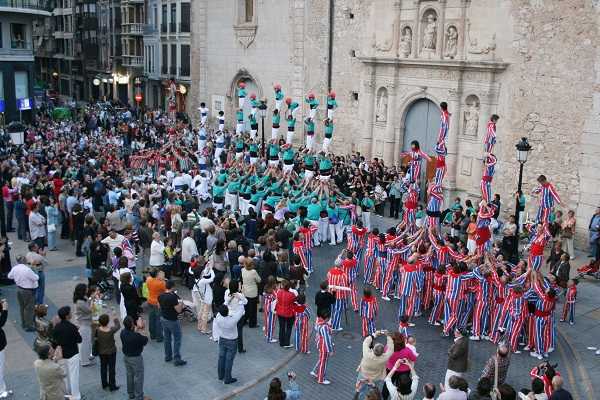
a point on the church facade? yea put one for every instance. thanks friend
(535, 63)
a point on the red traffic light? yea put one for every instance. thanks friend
(138, 97)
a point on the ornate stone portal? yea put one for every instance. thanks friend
(433, 63)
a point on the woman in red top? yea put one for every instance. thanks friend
(285, 313)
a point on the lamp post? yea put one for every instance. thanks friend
(262, 109)
(523, 149)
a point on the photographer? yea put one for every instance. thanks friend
(374, 358)
(170, 307)
(277, 393)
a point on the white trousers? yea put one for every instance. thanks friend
(241, 101)
(218, 152)
(71, 369)
(253, 133)
(244, 206)
(278, 104)
(253, 111)
(217, 206)
(308, 175)
(287, 168)
(274, 133)
(295, 111)
(330, 113)
(239, 128)
(336, 231)
(221, 127)
(323, 230)
(203, 119)
(2, 363)
(289, 138)
(310, 140)
(326, 143)
(231, 200)
(313, 113)
(366, 219)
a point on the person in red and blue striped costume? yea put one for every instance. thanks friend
(339, 285)
(325, 346)
(308, 231)
(540, 236)
(369, 258)
(369, 308)
(489, 163)
(349, 265)
(301, 322)
(269, 316)
(444, 123)
(548, 197)
(568, 314)
(357, 238)
(490, 136)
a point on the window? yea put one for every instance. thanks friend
(165, 59)
(248, 10)
(185, 60)
(163, 22)
(173, 21)
(185, 17)
(17, 36)
(1, 86)
(21, 85)
(155, 17)
(173, 69)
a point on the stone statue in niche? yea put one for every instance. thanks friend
(451, 42)
(430, 32)
(406, 42)
(471, 116)
(474, 47)
(382, 105)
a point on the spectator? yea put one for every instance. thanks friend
(452, 391)
(156, 286)
(83, 318)
(277, 393)
(226, 333)
(568, 232)
(170, 306)
(4, 392)
(26, 281)
(559, 393)
(202, 294)
(374, 359)
(458, 356)
(406, 388)
(250, 281)
(66, 336)
(536, 392)
(502, 360)
(133, 341)
(107, 350)
(428, 391)
(50, 375)
(285, 313)
(506, 392)
(483, 390)
(594, 234)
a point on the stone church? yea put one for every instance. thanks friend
(536, 63)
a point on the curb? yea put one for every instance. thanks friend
(585, 380)
(256, 381)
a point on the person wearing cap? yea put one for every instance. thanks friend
(331, 104)
(254, 103)
(203, 114)
(458, 356)
(313, 104)
(292, 107)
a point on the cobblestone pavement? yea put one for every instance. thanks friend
(255, 368)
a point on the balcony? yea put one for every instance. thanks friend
(150, 29)
(17, 54)
(37, 7)
(124, 2)
(132, 61)
(135, 28)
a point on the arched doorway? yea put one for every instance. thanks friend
(422, 123)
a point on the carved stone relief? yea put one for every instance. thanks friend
(451, 42)
(405, 46)
(382, 105)
(471, 116)
(245, 34)
(466, 165)
(474, 47)
(429, 33)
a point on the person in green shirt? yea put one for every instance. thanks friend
(239, 149)
(335, 223)
(231, 194)
(291, 124)
(275, 122)
(314, 210)
(273, 155)
(331, 104)
(218, 194)
(313, 104)
(288, 160)
(367, 205)
(253, 126)
(309, 124)
(253, 150)
(278, 96)
(239, 115)
(292, 107)
(328, 135)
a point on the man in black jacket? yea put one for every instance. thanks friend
(66, 336)
(458, 356)
(324, 299)
(4, 393)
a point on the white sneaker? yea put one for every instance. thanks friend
(273, 341)
(313, 373)
(550, 350)
(436, 323)
(6, 394)
(526, 348)
(517, 352)
(411, 324)
(475, 338)
(325, 382)
(385, 298)
(598, 352)
(536, 355)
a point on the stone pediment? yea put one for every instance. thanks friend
(245, 34)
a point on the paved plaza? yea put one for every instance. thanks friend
(262, 361)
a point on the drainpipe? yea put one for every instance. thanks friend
(330, 45)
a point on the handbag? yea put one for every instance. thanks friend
(95, 344)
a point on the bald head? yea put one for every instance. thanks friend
(378, 349)
(557, 382)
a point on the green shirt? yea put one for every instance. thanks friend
(273, 150)
(291, 122)
(240, 116)
(310, 125)
(276, 119)
(314, 211)
(218, 191)
(367, 203)
(329, 130)
(325, 164)
(288, 154)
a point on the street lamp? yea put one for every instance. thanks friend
(523, 149)
(262, 109)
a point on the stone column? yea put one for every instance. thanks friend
(367, 112)
(441, 30)
(389, 138)
(462, 30)
(454, 107)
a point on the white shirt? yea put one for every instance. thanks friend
(23, 276)
(226, 327)
(113, 243)
(37, 225)
(202, 286)
(395, 395)
(188, 249)
(157, 255)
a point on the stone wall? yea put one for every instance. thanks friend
(533, 62)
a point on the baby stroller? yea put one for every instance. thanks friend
(188, 313)
(592, 269)
(102, 278)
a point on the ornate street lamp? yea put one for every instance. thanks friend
(262, 110)
(523, 149)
